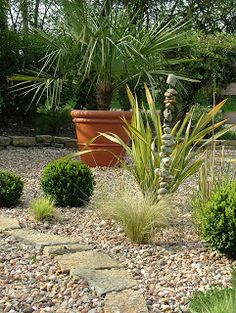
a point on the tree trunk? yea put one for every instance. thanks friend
(36, 13)
(25, 15)
(3, 15)
(104, 95)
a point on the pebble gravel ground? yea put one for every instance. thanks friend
(167, 271)
(31, 282)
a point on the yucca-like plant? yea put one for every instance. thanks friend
(145, 148)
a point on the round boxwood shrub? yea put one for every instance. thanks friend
(219, 220)
(68, 182)
(11, 187)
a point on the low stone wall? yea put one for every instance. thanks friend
(69, 143)
(39, 140)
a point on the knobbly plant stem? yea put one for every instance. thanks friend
(168, 140)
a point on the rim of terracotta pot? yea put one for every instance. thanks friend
(103, 114)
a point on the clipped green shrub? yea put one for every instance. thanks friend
(218, 219)
(43, 209)
(11, 187)
(68, 182)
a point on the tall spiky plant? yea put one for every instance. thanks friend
(145, 149)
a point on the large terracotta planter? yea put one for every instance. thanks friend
(89, 124)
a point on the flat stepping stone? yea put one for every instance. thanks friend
(64, 249)
(7, 223)
(39, 240)
(86, 260)
(104, 281)
(128, 301)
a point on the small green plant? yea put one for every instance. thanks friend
(11, 188)
(218, 219)
(207, 182)
(43, 209)
(33, 259)
(140, 218)
(68, 182)
(215, 300)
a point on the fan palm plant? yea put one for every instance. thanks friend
(103, 48)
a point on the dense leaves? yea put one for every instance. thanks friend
(210, 16)
(25, 24)
(11, 187)
(103, 50)
(219, 220)
(68, 182)
(214, 60)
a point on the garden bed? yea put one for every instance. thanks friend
(167, 271)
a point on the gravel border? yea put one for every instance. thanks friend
(167, 271)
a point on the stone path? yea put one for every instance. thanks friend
(102, 273)
(8, 223)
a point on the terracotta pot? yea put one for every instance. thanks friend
(89, 124)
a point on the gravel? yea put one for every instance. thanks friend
(168, 270)
(31, 282)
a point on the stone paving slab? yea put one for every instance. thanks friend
(86, 260)
(104, 281)
(64, 249)
(128, 301)
(40, 240)
(7, 223)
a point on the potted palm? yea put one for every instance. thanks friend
(104, 49)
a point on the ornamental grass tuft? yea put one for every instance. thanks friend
(43, 209)
(139, 216)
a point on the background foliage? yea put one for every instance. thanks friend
(212, 38)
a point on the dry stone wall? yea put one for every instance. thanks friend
(39, 140)
(70, 143)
